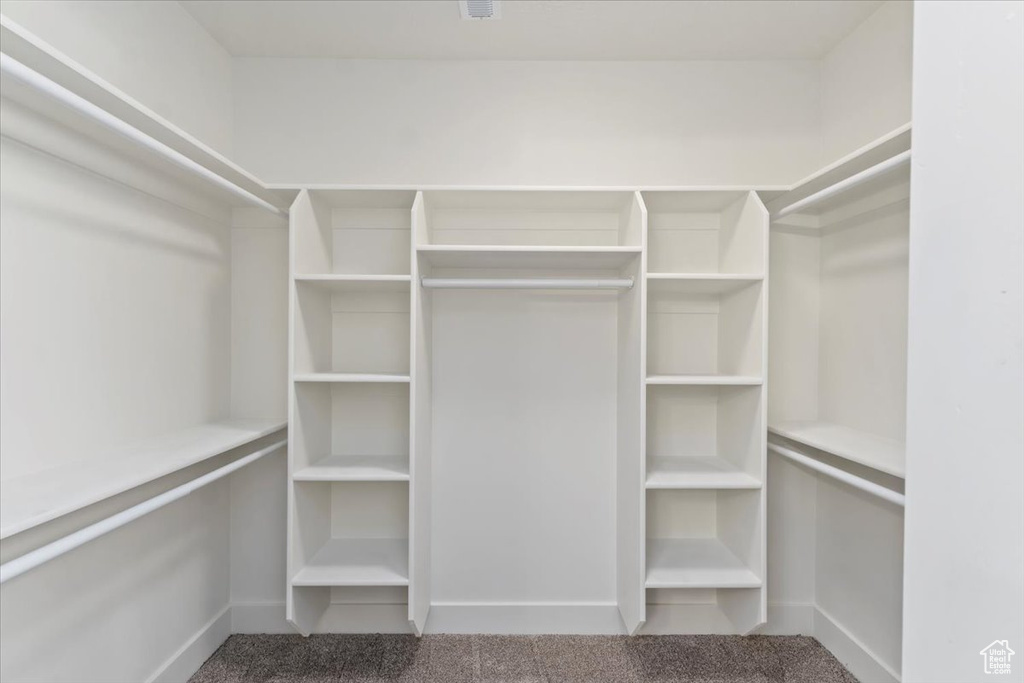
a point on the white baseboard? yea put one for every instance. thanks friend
(259, 617)
(190, 656)
(853, 654)
(530, 618)
(789, 619)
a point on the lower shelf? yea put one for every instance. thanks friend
(358, 562)
(697, 473)
(696, 563)
(871, 450)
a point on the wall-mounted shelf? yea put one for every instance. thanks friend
(701, 283)
(535, 257)
(871, 450)
(350, 377)
(705, 380)
(34, 499)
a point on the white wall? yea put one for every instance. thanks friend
(865, 81)
(154, 51)
(526, 123)
(965, 435)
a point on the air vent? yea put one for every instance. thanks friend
(480, 9)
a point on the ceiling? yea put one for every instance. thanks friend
(533, 29)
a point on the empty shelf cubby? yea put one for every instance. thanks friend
(704, 437)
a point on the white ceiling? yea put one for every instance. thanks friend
(532, 29)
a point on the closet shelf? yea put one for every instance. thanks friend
(696, 563)
(357, 562)
(334, 283)
(697, 473)
(34, 499)
(340, 377)
(356, 468)
(702, 283)
(506, 256)
(871, 450)
(705, 380)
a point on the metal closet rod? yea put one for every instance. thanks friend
(526, 283)
(846, 184)
(50, 551)
(853, 480)
(23, 74)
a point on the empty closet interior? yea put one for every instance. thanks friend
(625, 355)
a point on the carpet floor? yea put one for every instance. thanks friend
(521, 659)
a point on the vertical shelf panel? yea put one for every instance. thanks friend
(630, 491)
(420, 431)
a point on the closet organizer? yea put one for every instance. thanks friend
(533, 410)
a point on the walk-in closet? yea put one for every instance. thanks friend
(511, 340)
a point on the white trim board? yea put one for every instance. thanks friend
(196, 650)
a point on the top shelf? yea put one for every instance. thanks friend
(35, 499)
(100, 108)
(871, 450)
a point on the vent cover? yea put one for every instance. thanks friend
(480, 9)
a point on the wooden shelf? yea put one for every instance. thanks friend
(502, 256)
(705, 380)
(356, 468)
(34, 499)
(701, 283)
(340, 377)
(696, 563)
(877, 452)
(357, 562)
(697, 473)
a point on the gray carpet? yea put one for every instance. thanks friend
(521, 659)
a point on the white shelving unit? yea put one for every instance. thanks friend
(705, 449)
(397, 471)
(840, 308)
(350, 456)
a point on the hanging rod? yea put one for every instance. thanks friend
(846, 184)
(526, 283)
(842, 475)
(43, 554)
(18, 71)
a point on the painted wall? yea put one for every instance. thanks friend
(865, 81)
(526, 123)
(965, 436)
(154, 51)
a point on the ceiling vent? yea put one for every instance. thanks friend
(480, 9)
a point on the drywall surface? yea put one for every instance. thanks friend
(865, 81)
(154, 51)
(965, 385)
(526, 123)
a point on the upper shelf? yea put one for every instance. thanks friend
(35, 499)
(506, 256)
(871, 450)
(63, 90)
(873, 176)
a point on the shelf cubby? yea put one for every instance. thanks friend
(351, 432)
(352, 232)
(704, 437)
(700, 330)
(705, 232)
(703, 539)
(351, 327)
(525, 218)
(351, 534)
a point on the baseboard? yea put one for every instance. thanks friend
(259, 617)
(526, 618)
(789, 619)
(853, 654)
(187, 660)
